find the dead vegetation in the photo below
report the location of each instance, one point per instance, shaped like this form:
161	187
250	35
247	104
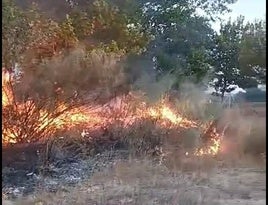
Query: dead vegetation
45	94
165	134
160	168
143	182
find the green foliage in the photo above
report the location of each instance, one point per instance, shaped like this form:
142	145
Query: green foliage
104	24
14	34
182	39
179	41
111	25
239	56
67	33
185	50
226	55
46	38
252	56
199	64
83	27
30	35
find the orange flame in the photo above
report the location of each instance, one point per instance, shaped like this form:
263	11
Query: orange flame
214	146
165	113
7	96
66	120
213	149
84	116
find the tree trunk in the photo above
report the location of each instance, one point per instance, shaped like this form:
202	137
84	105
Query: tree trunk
223	90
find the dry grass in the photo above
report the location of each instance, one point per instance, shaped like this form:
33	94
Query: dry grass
176	178
134	182
245	136
144	138
245	133
142	182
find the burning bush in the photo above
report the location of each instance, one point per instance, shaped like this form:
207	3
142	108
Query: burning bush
126	122
34	120
142	137
52	95
138	129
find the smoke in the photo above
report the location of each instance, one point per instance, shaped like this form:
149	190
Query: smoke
80	74
77	73
154	90
244	131
243	128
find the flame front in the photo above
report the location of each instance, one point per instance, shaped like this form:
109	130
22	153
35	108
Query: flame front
214	145
213	149
84	116
44	120
165	113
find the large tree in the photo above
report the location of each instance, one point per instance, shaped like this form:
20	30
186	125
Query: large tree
226	56
252	57
239	56
103	23
182	38
14	34
78	52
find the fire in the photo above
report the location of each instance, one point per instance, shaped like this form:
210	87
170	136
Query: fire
76	116
7	96
84	116
165	113
213	149
65	121
214	146
42	119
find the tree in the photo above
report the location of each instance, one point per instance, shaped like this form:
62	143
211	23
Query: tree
80	52
15	30
239	56
252	56
46	39
179	34
180	41
106	25
226	56
199	64
29	37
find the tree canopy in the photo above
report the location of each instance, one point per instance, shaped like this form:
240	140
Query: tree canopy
172	37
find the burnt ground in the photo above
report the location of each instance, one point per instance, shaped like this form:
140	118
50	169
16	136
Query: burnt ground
109	179
24	171
23	175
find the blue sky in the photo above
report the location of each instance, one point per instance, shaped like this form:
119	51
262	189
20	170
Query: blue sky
250	9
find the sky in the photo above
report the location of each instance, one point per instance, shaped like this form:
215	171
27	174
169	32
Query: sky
250	9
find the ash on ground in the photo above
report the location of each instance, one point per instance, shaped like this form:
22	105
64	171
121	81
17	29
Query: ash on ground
24	175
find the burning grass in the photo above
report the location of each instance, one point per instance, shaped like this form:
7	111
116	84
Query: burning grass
29	122
160	131
32	121
36	120
126	122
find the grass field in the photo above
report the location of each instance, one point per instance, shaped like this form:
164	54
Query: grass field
141	182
